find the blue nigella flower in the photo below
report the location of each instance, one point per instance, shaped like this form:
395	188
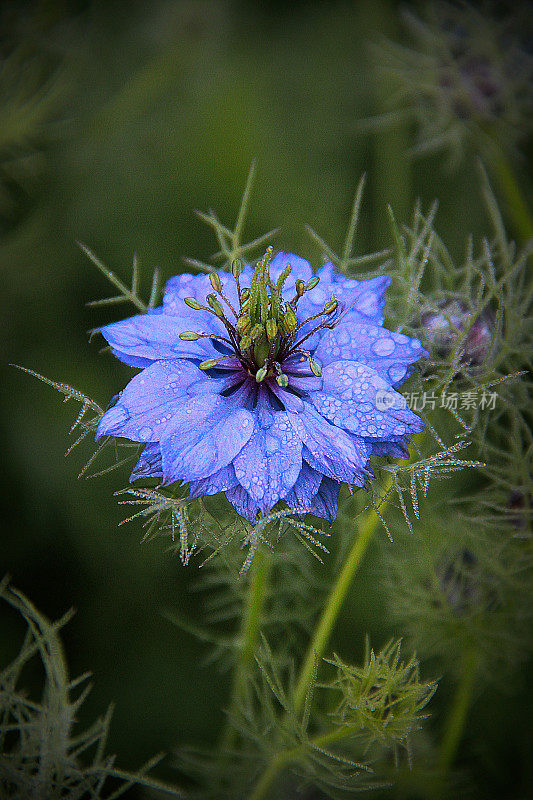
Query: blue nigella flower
267	384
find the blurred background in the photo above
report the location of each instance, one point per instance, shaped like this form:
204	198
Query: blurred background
117	120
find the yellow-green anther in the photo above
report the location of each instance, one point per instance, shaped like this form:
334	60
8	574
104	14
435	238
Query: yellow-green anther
300	287
330	306
189	336
215	305
312	283
236	268
257	331
261	374
316	369
243	324
282	381
289	321
192	303
211	362
272	329
245	295
245	343
215	281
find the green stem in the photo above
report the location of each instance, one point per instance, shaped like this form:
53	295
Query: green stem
455	723
285	757
517	206
334	603
249	634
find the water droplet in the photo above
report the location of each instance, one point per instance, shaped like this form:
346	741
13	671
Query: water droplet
383	347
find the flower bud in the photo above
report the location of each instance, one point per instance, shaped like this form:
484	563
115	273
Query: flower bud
451	318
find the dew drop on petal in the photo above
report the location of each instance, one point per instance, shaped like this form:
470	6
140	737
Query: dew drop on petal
383	347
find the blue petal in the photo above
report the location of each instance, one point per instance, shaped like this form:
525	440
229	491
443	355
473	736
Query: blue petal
389	354
396	449
150	400
325	501
305	489
351	396
221	481
204	435
364	299
152	337
300	270
149	464
243	503
270	462
327	448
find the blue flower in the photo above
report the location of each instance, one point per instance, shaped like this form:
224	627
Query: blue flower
269	384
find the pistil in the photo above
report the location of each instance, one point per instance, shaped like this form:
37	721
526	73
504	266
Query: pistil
264	333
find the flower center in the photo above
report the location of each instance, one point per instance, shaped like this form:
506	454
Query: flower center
263	332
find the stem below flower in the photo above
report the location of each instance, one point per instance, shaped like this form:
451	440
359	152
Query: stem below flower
248	637
334	603
285	757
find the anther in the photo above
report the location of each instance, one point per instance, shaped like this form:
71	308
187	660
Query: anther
312	283
236	268
289	321
271	329
282	381
300	287
215	305
189	336
257	331
243	324
245	343
215	281
192	303
210	362
316	369
331	306
261	374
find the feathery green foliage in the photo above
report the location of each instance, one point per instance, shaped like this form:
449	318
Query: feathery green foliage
43	753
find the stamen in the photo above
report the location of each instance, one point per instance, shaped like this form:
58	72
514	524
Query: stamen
212	362
192	303
244	324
